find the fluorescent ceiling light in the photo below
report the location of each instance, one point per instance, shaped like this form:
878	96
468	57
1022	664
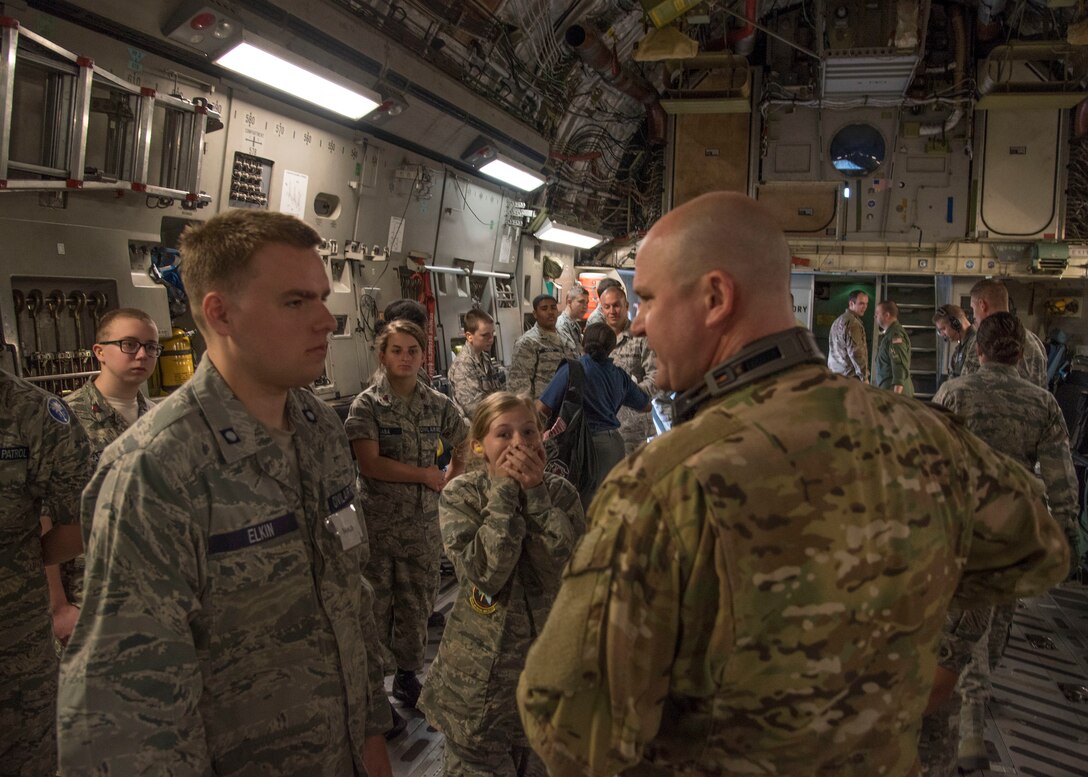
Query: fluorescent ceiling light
569	236
514	174
256	59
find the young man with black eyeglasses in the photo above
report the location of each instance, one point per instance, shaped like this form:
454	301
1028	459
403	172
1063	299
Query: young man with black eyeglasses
127	348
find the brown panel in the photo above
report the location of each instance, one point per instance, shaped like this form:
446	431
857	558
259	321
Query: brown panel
802	208
711	154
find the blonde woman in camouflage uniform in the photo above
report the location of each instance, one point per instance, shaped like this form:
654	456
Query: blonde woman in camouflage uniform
395	427
508	528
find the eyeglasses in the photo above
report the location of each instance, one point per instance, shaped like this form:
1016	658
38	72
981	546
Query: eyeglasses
132	347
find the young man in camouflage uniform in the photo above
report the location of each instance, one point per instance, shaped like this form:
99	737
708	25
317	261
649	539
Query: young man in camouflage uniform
45	460
226	624
127	347
634	356
539	352
892	352
953	326
847	346
568	323
474	374
1023	421
990	296
746	598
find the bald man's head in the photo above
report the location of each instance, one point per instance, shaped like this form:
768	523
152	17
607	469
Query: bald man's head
731	232
713	276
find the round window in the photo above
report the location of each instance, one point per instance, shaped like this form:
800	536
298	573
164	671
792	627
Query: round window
857	149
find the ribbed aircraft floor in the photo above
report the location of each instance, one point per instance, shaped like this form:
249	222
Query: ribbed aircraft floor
1038	718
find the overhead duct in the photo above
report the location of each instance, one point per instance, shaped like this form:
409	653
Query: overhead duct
591	50
1033	74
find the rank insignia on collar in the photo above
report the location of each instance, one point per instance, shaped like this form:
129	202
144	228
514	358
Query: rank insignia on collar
309	415
230	436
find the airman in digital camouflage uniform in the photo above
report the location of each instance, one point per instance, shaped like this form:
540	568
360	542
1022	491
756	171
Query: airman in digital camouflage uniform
953	326
395	427
473	374
226	621
539	352
634	356
567	323
603	285
45	460
1023	421
990	296
761	589
508	532
847	346
111	402
892	352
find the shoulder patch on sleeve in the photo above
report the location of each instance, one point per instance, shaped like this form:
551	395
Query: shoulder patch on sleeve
58	411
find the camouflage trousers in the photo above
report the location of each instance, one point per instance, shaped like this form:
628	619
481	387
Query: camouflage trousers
938	745
28	715
518	761
974	685
405	589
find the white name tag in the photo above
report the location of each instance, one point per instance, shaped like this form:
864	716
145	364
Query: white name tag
345	525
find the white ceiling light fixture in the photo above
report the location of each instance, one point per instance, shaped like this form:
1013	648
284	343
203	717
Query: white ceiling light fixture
281	69
554	232
510	172
489	161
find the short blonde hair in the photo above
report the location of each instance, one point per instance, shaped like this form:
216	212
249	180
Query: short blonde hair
216	254
133	313
494	405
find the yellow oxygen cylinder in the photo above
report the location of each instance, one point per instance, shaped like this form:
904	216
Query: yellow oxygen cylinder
176	360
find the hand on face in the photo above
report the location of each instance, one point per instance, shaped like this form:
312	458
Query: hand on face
523	464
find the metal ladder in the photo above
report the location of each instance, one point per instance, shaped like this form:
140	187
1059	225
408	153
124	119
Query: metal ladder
67	108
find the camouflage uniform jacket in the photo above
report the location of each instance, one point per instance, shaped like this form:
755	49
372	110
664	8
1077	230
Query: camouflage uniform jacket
537	355
45	459
569	328
508	548
102	423
964	359
761	589
634	356
1032	364
596	317
1023	421
848	348
472	377
893	360
400	516
224	629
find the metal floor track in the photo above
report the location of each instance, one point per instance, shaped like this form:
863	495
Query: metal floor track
1037	721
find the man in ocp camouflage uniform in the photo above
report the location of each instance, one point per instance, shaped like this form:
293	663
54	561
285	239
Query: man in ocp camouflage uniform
45	460
761	589
634	356
225	623
1023	421
892	352
847	346
539	352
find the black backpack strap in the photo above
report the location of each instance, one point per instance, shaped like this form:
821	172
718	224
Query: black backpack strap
576	381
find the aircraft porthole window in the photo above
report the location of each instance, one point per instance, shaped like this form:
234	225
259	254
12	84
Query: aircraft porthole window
857	149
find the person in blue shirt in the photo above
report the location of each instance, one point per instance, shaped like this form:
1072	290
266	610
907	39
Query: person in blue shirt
607	389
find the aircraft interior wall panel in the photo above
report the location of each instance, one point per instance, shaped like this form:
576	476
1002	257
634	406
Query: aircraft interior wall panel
1019	181
710	153
470	229
919	192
